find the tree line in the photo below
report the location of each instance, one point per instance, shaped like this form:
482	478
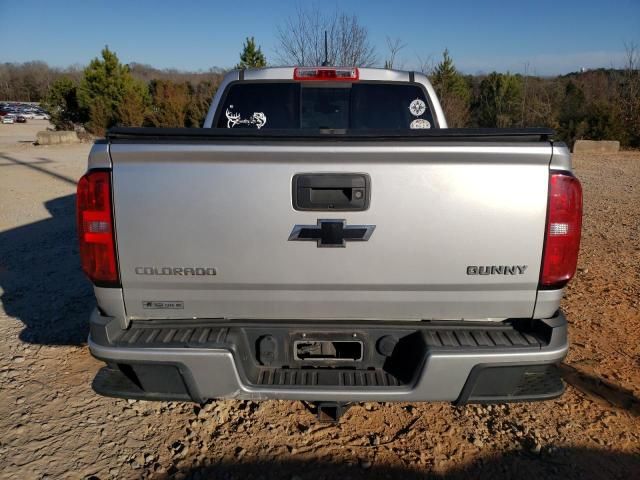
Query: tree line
602	104
596	104
108	93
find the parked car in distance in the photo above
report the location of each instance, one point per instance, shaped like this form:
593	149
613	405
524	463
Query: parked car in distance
27	110
21	119
10	118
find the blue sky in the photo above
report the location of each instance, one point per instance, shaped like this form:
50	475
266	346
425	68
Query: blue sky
550	36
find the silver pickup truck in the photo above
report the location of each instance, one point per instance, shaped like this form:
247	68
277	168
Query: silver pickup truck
325	237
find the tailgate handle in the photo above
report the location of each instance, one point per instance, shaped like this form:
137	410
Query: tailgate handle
331	191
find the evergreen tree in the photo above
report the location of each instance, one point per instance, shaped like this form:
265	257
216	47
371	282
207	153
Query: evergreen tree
573	114
200	99
133	109
605	121
170	103
251	56
108	92
447	81
61	102
500	100
453	91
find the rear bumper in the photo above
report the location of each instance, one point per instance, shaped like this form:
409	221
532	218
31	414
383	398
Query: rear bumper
462	362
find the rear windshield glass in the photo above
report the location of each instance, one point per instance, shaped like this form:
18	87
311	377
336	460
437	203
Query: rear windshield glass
358	106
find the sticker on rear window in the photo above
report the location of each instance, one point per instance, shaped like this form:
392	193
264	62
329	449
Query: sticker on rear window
417	107
258	119
420	123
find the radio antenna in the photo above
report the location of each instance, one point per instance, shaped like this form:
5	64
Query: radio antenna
326	51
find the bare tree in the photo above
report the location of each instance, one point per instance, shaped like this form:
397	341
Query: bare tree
394	46
630	95
426	64
301	39
30	81
525	78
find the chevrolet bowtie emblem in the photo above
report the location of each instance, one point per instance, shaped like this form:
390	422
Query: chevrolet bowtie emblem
332	233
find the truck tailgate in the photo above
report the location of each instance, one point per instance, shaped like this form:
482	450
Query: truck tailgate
443	213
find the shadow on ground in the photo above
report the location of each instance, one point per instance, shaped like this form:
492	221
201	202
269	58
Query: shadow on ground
43	285
36	166
560	463
601	390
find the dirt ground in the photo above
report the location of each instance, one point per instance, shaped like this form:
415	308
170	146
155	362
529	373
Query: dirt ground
54	426
21	132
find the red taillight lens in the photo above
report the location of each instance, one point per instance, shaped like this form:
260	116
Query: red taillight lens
320	74
564	224
95	229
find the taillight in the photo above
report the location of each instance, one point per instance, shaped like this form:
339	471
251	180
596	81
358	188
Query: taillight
323	74
562	236
95	229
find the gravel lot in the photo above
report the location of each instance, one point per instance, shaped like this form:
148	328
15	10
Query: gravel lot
54	426
21	132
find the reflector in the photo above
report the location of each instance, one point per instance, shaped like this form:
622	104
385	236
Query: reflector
558	229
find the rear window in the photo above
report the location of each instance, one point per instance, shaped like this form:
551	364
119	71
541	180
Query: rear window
357	106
